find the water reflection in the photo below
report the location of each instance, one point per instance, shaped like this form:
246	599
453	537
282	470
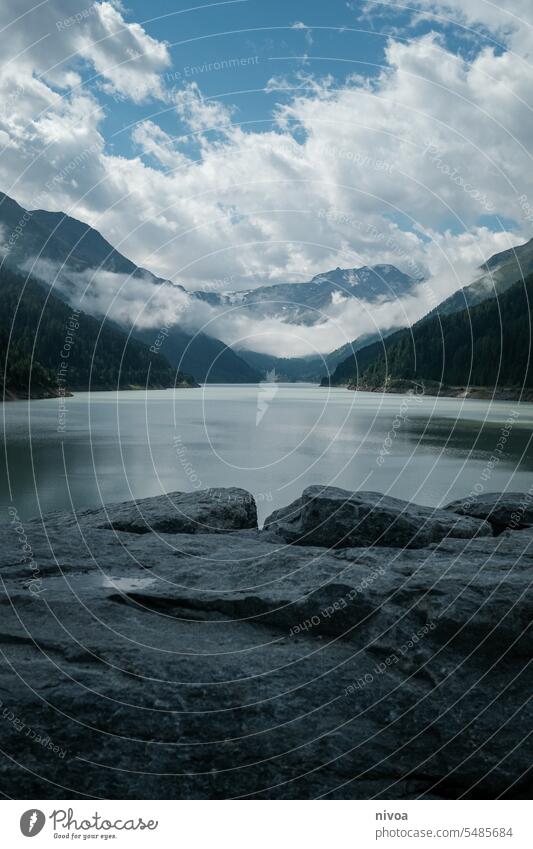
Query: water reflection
117	446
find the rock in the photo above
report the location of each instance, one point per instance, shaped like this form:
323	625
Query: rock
164	665
205	511
501	509
336	518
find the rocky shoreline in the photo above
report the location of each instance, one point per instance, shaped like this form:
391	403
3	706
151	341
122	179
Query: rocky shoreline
39	395
480	393
357	646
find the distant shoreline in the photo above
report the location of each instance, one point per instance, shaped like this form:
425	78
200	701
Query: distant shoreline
47	394
480	393
37	395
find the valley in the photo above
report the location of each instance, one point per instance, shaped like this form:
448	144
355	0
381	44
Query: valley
53	262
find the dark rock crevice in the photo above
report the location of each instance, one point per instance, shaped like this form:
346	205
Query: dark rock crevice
387	660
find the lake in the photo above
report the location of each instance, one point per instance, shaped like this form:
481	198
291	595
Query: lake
271	439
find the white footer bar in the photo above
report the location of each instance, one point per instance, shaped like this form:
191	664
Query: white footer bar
267	824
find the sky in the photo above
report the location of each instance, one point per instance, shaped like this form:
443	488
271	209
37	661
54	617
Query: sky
228	145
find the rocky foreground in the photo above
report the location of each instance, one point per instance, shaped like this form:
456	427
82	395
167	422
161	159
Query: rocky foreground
356	647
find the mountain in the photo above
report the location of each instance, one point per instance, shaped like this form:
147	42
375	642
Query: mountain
73	247
516	261
47	349
486	345
208	359
308	369
54	236
350	370
305	303
500	272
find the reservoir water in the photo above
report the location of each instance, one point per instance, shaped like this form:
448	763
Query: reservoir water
271	439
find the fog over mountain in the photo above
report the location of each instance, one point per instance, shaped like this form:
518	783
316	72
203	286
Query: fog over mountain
86	272
308	303
266	334
308	320
199	187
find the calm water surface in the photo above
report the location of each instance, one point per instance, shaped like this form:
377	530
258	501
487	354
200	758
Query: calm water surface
271	439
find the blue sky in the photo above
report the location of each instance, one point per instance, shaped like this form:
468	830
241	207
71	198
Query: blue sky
338	39
263	33
242	143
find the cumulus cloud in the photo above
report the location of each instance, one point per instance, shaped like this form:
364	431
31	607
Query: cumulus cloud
415	166
153	141
127	59
50	38
201	114
48	114
509	21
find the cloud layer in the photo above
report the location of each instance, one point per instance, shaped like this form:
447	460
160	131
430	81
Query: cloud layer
416	164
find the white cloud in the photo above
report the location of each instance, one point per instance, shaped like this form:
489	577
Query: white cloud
201	114
126	57
308	31
49	38
507	24
509	21
153	141
122	298
250	205
400	168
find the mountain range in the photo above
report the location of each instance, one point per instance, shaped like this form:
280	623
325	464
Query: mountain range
49	349
31	238
307	303
76	253
341	366
500	272
487	345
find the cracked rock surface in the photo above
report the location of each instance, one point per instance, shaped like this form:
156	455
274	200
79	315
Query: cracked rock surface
333	517
144	657
501	509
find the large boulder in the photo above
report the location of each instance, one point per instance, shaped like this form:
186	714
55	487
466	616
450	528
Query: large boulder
333	517
502	509
205	511
194	666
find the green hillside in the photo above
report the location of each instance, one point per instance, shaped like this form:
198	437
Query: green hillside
486	345
46	347
73	246
209	360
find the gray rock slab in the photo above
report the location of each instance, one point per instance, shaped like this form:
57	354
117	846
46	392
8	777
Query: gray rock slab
501	509
333	517
204	511
194	665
